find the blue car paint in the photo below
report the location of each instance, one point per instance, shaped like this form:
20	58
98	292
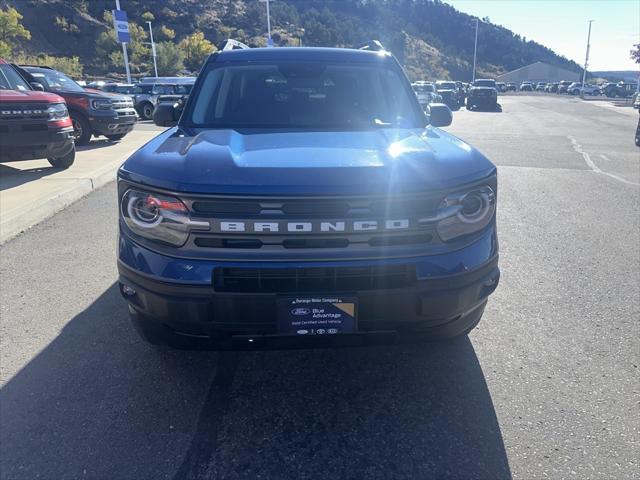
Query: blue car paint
187	160
200	272
306	163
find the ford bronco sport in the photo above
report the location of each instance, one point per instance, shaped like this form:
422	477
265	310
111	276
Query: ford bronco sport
33	124
93	112
304	198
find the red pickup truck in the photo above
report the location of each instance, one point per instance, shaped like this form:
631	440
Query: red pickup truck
33	124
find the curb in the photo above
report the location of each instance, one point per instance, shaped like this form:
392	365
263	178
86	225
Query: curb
20	221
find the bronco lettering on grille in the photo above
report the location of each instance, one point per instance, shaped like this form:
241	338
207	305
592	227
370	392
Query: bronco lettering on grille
333	226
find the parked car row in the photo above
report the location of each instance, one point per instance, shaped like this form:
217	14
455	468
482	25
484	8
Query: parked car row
611	90
149	91
46	114
482	93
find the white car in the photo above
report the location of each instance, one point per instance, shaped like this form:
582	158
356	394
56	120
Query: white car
576	88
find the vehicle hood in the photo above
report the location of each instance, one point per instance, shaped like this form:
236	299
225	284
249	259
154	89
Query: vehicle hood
29	96
94	94
306	163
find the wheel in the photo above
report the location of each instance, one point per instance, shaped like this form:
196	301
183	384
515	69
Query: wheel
63	162
638	135
115	138
469	107
146	111
81	129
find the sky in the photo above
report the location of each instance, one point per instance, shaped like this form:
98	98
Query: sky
562	26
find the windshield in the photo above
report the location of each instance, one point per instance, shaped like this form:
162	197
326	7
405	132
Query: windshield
484	83
127	89
305	96
10	80
54	80
446	86
143	89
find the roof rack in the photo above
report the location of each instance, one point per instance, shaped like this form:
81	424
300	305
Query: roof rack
231	44
36	66
373	45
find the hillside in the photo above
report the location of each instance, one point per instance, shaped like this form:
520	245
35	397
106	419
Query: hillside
431	39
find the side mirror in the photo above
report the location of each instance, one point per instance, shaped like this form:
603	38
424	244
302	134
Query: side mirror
166	115
439	115
37	86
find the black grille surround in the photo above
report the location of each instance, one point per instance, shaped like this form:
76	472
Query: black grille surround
312	209
312	279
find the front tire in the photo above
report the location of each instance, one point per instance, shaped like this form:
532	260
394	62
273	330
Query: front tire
81	129
63	162
146	111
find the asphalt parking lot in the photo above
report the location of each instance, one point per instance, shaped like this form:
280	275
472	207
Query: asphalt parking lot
546	387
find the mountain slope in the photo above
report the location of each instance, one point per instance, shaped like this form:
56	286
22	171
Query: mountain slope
431	38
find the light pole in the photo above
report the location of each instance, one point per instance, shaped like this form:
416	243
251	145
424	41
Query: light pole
269	39
475	52
153	49
586	60
124	51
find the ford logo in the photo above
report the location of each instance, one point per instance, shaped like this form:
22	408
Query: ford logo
300	311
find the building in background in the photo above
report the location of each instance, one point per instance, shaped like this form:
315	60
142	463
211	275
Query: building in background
539	72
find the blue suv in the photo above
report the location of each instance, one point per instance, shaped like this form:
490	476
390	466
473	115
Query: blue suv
302	198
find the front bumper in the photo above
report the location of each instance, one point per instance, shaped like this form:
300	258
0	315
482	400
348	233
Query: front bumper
16	143
481	100
113	124
449	293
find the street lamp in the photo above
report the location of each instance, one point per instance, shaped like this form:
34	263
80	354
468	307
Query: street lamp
124	52
586	60
153	49
475	52
269	39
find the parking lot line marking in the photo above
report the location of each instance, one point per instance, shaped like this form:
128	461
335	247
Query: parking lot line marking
578	148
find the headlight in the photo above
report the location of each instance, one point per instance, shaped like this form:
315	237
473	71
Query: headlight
158	217
101	104
57	111
465	213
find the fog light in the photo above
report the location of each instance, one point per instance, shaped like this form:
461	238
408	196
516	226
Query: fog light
128	291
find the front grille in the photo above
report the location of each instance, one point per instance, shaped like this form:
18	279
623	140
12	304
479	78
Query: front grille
343	210
321	279
349	207
10	111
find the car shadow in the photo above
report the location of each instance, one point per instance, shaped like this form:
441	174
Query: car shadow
96	143
11	177
98	403
497	109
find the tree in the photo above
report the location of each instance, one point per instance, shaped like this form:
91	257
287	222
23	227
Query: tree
635	53
108	47
10	30
169	58
196	49
164	33
69	65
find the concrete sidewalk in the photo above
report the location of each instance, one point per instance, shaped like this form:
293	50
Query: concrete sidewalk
31	191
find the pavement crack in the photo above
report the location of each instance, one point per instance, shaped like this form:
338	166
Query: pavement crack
594	168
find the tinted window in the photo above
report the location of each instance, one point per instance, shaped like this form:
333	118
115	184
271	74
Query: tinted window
163	89
485	83
124	89
10	80
446	86
54	80
139	89
310	95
